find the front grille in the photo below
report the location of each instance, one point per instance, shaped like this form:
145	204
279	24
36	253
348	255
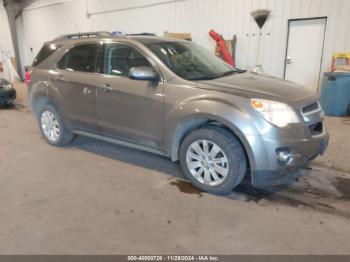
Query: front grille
316	129
309	108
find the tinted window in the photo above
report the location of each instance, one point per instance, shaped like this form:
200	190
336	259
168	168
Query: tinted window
120	58
80	58
44	53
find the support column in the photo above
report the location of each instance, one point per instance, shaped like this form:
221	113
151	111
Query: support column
11	9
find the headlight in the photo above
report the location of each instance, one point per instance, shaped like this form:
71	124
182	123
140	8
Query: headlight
8	86
276	113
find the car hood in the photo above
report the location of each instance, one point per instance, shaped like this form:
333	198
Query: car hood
254	85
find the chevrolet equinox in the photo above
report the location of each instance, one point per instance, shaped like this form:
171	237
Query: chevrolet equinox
174	98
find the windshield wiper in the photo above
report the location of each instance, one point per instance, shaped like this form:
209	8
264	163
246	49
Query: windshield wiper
202	78
211	77
227	73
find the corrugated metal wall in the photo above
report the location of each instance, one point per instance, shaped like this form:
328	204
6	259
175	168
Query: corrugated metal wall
5	34
228	17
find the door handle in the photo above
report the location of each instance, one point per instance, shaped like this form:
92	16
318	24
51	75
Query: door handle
107	88
289	60
86	91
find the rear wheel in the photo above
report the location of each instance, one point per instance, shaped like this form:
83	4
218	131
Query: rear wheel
213	160
53	127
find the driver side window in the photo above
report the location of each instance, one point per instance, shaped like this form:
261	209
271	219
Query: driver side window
120	58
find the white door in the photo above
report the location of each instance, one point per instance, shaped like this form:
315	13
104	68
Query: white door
304	51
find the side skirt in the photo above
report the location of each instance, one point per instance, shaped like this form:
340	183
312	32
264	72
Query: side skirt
120	142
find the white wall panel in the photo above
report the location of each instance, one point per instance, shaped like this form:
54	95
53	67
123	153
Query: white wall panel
5	34
47	19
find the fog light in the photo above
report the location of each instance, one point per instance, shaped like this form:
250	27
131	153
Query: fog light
283	155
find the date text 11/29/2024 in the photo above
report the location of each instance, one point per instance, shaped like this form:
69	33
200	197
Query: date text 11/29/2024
173	258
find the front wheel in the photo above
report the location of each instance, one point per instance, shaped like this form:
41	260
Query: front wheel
213	160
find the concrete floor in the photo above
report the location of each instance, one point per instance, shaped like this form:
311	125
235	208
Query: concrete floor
96	198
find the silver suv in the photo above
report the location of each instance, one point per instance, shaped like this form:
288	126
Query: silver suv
174	98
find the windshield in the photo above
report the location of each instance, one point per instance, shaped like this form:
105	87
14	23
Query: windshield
191	61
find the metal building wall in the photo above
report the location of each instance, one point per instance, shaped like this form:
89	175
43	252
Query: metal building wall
5	34
46	19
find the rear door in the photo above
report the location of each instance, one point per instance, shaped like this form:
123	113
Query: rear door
75	82
130	110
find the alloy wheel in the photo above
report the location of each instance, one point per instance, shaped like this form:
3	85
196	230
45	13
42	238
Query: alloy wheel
50	126
207	162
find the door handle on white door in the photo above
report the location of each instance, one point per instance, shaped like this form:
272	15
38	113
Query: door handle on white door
289	60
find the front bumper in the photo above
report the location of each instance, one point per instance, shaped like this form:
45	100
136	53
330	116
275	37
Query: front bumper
268	171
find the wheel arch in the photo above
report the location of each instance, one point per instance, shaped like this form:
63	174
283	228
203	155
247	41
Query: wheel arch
38	101
186	126
38	95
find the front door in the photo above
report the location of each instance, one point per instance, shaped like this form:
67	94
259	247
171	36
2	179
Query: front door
130	110
304	52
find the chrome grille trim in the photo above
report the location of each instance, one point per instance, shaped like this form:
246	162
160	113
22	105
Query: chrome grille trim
311	108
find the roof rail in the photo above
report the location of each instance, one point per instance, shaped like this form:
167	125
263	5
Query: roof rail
141	34
119	33
84	35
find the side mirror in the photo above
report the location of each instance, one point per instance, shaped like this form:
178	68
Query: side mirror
143	73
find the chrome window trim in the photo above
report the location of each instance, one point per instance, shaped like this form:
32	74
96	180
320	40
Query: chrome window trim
102	42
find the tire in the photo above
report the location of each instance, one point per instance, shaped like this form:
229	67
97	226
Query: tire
230	161
61	136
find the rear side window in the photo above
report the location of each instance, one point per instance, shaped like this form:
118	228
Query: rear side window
45	52
81	58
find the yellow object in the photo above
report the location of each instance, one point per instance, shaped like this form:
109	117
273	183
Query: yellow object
340	56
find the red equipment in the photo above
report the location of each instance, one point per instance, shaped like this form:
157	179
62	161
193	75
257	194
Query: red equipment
223	48
27	76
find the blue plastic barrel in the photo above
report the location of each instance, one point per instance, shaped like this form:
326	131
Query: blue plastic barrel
335	94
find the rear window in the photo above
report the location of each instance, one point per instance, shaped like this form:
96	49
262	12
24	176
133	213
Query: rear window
45	52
